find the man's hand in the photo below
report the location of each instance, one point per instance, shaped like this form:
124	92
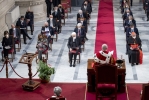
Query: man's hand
77	48
131	48
70	49
52	36
58	20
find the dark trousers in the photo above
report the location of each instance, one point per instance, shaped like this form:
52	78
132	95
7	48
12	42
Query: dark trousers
24	32
131	1
71	55
6	53
147	14
31	26
49	39
48	9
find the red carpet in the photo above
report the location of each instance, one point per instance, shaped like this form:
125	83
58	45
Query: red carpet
10	89
105	26
134	91
92	96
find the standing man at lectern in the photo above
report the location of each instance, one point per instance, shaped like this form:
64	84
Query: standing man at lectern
104	56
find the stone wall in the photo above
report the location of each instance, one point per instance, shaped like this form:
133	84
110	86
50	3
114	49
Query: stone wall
5	6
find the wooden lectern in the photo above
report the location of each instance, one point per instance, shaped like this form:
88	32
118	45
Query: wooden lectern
27	58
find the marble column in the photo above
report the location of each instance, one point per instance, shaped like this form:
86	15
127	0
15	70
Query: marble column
37	6
5	6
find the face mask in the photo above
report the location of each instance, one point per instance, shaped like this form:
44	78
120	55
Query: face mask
131	28
55	10
7	36
74	37
134	37
79	28
127	13
51	18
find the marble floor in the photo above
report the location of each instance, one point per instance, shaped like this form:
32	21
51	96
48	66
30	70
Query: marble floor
58	57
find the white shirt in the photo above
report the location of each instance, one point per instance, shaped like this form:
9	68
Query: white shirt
47	31
51	22
14	32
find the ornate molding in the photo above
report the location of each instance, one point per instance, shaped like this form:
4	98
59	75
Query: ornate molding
26	3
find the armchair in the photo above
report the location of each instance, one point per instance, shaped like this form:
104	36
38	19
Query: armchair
106	81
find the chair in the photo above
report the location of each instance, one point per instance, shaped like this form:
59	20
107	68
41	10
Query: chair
44	53
106	81
11	51
65	6
19	45
77	59
69	5
83	46
55	36
145	92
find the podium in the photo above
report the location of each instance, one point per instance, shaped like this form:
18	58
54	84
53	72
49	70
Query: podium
27	58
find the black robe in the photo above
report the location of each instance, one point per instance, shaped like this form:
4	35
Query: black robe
56	2
134	55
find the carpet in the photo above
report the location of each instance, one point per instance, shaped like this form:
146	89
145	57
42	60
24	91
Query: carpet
134	91
105	32
92	96
10	89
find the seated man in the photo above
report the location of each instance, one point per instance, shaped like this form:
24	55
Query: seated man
80	15
57	93
61	10
127	14
80	32
86	9
16	35
74	46
52	23
29	16
135	52
104	56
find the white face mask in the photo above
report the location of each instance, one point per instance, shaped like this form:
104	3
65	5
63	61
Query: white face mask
132	28
79	28
7	36
51	18
74	38
134	37
55	10
128	13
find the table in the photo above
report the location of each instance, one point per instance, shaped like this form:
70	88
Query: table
91	77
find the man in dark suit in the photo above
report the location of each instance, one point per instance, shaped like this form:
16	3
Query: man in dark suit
128	34
16	35
57	16
53	23
49	3
84	25
80	15
80	32
48	30
127	14
61	10
29	16
22	24
147	9
86	8
128	22
74	46
89	4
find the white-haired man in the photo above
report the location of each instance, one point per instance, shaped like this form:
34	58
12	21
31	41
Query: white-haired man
74	46
80	32
104	56
57	93
80	15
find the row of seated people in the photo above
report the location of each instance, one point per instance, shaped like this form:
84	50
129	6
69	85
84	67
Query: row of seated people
133	41
78	37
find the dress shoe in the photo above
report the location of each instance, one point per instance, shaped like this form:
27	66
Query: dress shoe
31	33
136	63
70	65
74	65
30	38
132	64
0	47
147	20
25	43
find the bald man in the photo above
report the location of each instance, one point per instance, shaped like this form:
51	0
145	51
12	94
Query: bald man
48	30
74	46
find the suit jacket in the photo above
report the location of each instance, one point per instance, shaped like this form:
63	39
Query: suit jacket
62	11
50	29
127	23
17	33
20	24
79	16
125	16
82	34
89	4
57	16
128	32
88	9
56	2
53	21
84	24
30	15
7	42
77	41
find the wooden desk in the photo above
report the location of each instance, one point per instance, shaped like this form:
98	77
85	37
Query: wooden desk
91	77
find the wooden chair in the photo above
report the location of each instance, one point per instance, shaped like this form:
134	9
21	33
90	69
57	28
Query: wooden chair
63	18
69	5
55	36
19	45
106	81
11	52
83	46
78	59
145	92
65	6
44	53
